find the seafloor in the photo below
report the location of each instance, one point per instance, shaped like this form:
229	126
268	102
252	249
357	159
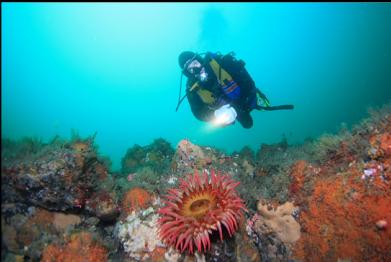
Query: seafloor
328	199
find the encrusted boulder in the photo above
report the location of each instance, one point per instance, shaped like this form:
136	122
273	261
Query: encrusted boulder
189	156
57	178
138	234
103	205
275	230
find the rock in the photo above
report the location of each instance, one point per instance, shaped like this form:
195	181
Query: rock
274	230
62	221
9	238
103	205
138	234
189	156
55	178
249	169
91	221
280	221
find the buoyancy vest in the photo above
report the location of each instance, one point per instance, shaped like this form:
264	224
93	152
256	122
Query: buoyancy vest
225	81
204	94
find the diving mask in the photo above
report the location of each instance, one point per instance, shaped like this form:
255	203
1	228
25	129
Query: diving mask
196	69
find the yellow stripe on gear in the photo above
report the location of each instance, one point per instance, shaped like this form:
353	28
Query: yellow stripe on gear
219	71
205	95
195	85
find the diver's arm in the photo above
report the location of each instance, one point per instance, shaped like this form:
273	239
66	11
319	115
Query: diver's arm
200	110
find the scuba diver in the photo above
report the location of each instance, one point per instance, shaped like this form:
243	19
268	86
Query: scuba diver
220	90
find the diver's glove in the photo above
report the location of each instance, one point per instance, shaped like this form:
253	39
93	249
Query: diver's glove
225	115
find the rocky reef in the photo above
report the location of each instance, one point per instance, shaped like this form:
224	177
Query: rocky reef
328	199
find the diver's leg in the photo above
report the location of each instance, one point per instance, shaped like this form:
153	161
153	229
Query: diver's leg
245	119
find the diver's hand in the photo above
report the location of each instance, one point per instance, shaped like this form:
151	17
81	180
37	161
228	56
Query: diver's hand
225	115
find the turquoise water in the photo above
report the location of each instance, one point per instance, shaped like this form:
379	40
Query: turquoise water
112	69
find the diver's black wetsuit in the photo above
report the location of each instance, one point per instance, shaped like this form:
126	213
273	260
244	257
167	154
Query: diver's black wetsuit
243	104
